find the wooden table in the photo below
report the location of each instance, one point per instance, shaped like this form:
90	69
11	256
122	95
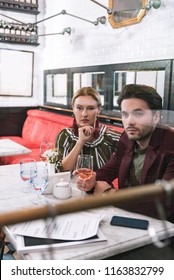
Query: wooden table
11	148
119	239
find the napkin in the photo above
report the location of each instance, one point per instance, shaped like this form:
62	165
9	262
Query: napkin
57	177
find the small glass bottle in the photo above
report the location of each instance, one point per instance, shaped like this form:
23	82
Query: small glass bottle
1	31
1	27
12	29
18	30
16	4
23	32
7	28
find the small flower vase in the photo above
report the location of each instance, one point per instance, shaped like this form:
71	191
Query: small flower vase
51	168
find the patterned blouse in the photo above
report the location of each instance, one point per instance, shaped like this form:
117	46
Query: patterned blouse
101	148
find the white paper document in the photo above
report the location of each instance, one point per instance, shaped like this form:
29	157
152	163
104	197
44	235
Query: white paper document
72	227
64	231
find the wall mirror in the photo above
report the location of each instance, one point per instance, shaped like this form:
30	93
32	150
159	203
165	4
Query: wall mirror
56	87
152	73
92	79
61	84
154	78
126	12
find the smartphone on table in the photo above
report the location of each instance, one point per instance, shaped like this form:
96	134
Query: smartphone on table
129	222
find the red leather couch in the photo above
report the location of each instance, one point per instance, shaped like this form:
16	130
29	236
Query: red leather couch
39	126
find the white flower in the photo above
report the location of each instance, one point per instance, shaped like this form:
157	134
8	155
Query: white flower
51	155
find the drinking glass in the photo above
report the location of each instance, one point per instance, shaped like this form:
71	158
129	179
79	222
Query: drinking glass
25	173
45	146
40	182
84	167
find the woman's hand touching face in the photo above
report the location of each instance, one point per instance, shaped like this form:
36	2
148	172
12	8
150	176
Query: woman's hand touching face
86	133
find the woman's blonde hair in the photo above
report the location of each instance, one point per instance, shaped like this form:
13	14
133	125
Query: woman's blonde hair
88	91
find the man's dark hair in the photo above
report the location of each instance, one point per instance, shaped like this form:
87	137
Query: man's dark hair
146	93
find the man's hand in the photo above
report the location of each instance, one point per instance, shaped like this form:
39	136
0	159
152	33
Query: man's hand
85	185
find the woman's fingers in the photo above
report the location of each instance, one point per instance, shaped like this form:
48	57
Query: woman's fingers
87	131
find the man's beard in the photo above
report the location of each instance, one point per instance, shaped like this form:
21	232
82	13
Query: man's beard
142	136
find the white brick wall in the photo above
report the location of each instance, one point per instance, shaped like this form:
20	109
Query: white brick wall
151	39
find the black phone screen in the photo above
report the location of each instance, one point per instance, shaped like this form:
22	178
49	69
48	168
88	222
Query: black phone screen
129	222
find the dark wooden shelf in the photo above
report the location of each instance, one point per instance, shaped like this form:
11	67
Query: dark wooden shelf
21	43
16	39
21	7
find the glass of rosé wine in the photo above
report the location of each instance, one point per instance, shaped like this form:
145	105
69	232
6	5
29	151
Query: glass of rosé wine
84	167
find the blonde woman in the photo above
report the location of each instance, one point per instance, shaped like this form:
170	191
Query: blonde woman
87	135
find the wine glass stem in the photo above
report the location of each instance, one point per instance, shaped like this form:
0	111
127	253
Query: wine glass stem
83	192
41	199
31	184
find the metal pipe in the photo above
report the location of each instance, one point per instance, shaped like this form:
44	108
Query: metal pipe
118	199
108	9
64	12
48	34
65	30
55	15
